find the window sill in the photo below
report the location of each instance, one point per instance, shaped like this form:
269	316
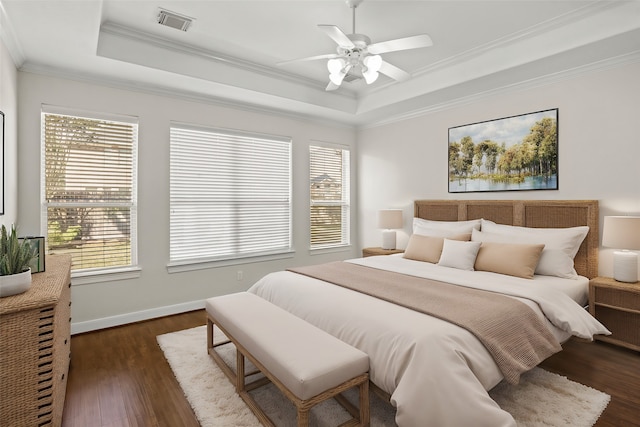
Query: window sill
192	265
330	250
104	275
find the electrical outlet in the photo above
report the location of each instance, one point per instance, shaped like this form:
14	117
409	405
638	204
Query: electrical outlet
239	275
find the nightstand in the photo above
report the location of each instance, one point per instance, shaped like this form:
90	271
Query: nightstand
617	306
379	251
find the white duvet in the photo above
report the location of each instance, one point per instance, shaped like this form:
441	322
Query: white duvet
437	373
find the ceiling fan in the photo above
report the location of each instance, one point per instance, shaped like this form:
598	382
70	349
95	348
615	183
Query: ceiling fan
356	55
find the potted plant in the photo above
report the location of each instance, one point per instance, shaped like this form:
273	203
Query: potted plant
15	257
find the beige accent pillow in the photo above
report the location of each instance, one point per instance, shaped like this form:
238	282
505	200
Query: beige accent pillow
509	258
428	248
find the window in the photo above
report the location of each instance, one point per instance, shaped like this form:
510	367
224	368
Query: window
330	209
230	195
89	189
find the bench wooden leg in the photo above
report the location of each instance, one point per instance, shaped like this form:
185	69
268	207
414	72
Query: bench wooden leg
364	404
303	417
239	371
209	334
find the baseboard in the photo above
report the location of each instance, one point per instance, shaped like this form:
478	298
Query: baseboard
123	319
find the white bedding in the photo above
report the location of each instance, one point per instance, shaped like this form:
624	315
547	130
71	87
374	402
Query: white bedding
436	373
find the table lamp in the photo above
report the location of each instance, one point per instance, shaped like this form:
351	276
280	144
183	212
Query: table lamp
388	219
623	232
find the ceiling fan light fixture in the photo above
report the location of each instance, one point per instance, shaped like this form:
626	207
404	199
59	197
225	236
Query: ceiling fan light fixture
370	76
336	65
356	51
336	78
373	62
371	66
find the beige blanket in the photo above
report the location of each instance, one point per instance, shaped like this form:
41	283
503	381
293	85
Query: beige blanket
515	336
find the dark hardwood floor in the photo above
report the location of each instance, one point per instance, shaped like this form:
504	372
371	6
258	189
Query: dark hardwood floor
119	377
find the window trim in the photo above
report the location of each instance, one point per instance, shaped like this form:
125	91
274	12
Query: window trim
192	264
339	247
102	274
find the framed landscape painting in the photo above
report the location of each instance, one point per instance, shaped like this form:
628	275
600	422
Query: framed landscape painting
507	154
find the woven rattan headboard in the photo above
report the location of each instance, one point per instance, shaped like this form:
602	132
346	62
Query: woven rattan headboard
526	213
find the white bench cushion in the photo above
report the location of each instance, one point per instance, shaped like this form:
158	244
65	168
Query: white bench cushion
306	359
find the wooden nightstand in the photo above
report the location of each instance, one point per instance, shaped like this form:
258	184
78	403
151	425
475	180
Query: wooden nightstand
379	251
617	306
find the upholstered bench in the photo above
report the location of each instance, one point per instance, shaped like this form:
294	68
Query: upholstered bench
307	364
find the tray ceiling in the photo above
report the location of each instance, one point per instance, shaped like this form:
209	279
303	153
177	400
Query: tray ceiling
230	52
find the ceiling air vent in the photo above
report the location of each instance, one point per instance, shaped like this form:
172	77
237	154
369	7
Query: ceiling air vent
174	20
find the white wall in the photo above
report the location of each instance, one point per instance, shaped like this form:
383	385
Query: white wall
157	292
9	106
599	151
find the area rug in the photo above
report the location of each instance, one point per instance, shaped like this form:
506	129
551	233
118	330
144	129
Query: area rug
541	399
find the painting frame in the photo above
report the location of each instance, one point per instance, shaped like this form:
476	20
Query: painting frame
513	153
38	263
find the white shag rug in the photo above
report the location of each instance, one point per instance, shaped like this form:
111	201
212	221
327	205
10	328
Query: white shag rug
542	399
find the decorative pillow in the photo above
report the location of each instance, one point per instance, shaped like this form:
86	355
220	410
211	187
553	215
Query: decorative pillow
424	248
553	262
428	248
457	227
509	258
460	255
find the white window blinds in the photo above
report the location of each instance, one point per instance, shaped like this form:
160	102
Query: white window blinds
89	189
329	189
230	194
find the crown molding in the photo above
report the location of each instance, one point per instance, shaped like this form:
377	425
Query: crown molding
340	120
8	36
209	55
350	121
557	77
518	36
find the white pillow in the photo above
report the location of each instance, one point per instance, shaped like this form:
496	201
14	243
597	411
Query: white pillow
553	261
441	232
459	254
454	227
567	240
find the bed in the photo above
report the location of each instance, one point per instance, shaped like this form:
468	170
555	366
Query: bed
432	370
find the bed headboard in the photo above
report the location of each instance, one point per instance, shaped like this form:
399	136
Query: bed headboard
526	213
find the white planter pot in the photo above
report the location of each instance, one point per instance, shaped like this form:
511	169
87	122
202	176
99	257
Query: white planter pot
15	283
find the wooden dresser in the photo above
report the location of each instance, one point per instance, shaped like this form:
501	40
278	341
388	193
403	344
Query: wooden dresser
35	342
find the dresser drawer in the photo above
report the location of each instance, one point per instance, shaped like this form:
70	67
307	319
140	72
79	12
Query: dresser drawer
620	298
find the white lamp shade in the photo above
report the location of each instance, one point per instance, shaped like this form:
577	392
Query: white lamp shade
621	232
390	218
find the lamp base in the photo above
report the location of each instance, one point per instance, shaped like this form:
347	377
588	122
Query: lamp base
388	239
625	266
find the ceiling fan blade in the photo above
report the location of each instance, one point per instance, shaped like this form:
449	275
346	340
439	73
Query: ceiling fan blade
394	72
331	86
412	42
337	35
310	58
